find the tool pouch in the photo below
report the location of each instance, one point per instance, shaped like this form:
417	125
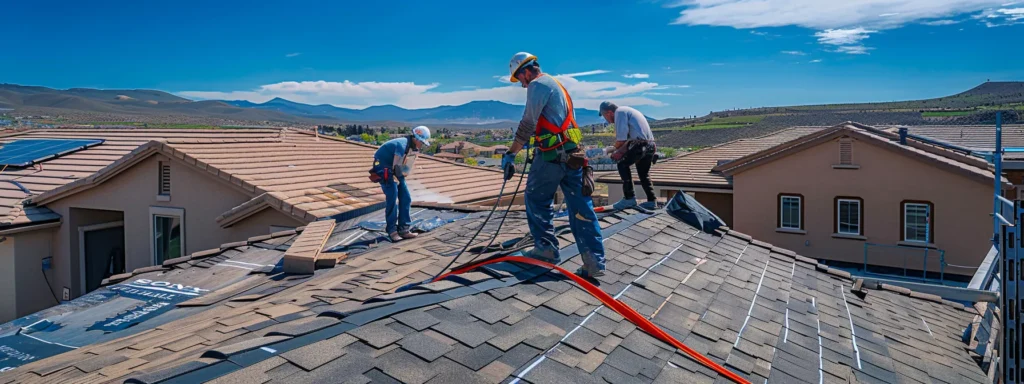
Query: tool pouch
379	174
588	181
577	160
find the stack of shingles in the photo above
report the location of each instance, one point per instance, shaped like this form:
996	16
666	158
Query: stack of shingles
302	257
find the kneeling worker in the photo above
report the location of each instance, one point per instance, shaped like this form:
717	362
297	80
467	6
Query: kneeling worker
393	161
634	144
549	120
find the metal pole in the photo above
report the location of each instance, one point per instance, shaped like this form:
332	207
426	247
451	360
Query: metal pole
997	158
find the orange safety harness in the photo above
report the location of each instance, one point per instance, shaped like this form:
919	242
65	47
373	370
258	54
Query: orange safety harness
549	136
621	308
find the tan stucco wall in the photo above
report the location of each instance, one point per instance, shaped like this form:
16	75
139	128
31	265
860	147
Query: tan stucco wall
962	225
133	192
30	248
8	297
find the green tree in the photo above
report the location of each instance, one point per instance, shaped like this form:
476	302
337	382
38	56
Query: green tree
668	151
381	138
471	161
366	138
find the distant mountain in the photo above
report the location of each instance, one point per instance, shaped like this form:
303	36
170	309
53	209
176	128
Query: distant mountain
472	113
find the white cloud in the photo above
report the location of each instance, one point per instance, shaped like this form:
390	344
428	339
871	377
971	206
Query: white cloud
586	94
636	75
936	23
758	33
795	53
846	40
661	94
671	86
816	61
293	54
848	15
1002	17
587	73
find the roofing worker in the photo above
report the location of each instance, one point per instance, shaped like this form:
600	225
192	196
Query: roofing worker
549	120
392	162
634	144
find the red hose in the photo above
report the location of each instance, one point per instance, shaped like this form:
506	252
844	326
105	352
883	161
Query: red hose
626	311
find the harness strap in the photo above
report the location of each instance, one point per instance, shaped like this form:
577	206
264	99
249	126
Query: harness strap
621	308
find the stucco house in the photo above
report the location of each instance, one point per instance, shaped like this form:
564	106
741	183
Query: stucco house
849	195
141	197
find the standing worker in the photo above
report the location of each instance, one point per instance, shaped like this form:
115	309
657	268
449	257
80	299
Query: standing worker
634	144
549	120
392	162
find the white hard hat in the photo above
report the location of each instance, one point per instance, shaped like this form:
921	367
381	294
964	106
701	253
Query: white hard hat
422	133
518	61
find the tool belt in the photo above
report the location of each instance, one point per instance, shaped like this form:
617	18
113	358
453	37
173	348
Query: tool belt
577	159
379	174
636	148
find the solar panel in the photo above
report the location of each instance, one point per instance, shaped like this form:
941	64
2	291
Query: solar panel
22	153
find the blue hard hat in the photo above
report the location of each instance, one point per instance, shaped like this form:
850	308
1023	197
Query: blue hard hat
422	133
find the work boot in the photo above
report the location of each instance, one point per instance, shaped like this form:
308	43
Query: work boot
395	237
585	273
623	204
407	234
650	205
545	256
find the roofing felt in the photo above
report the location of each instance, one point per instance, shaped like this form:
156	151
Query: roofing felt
763	312
694	169
301	174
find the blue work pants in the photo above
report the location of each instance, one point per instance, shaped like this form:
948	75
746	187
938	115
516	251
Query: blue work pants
544	179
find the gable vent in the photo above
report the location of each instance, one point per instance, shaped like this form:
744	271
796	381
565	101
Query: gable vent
165	178
845	151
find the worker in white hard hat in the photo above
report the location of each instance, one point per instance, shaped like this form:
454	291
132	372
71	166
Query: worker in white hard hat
393	162
559	162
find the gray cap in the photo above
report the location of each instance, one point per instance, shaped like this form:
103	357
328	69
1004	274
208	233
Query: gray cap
607	106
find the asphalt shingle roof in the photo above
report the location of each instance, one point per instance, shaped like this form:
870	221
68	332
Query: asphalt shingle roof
761	311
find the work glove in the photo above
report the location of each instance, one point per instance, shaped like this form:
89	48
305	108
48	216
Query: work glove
508	165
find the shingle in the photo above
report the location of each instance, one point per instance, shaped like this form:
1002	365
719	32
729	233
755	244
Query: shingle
584	340
470	334
424	346
317	354
376	334
474	358
418	320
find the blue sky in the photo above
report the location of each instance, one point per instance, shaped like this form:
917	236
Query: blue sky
667	58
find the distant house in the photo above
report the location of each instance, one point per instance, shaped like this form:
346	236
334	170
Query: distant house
450	156
850	194
499	149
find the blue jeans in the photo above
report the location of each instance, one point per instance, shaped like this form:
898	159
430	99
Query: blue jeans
396	191
545	177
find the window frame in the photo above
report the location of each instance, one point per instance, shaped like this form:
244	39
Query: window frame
778	211
154	212
860	215
930	233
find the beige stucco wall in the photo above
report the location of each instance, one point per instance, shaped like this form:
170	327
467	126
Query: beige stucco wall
8	299
962	225
30	248
133	192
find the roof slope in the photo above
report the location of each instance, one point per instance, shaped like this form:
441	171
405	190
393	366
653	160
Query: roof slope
301	174
694	169
762	311
974	137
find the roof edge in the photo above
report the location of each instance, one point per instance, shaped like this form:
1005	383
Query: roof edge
256	205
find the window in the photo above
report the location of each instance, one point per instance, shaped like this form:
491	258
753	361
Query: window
849	216
917	222
164	179
168	233
791	212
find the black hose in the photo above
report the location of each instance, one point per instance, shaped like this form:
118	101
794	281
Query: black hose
503	217
501	194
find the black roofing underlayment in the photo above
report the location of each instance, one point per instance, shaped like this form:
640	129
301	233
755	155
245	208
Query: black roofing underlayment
760	311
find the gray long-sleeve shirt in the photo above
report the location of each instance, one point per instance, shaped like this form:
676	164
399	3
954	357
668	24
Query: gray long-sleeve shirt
543	98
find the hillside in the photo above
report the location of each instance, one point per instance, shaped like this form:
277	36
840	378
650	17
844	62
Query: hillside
977	105
114	107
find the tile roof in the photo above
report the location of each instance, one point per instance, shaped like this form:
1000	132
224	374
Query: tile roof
953	161
694	169
448	155
296	172
761	311
974	137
